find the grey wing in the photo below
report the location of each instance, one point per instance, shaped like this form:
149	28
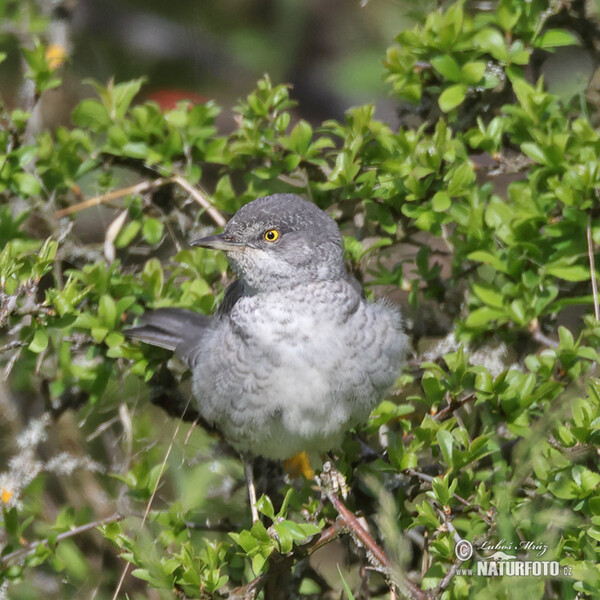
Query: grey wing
233	293
175	329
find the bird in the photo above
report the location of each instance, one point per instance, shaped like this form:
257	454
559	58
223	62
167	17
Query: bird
295	355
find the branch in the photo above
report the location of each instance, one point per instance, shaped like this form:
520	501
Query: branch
11	346
31	548
201	199
138	188
373	550
452	406
538	336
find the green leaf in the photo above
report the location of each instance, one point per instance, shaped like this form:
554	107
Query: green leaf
286	539
441	202
446	442
487	258
346	586
265	506
554	38
107	311
569	272
91	113
462	177
483	316
27	184
452	97
127	234
39	342
152	230
492	41
534	152
488	294
446	66
300	138
472	72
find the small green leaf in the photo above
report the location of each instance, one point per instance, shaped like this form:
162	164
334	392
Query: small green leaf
569	273
152	230
488	294
534	152
346	586
90	113
300	138
446	66
441	202
492	41
39	342
107	311
452	97
27	184
472	72
554	38
446	442
483	316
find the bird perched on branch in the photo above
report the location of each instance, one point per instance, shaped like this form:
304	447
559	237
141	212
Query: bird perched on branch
295	356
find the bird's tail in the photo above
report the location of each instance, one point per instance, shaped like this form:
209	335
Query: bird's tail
175	329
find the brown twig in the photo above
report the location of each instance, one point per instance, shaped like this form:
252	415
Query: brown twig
374	551
201	199
452	406
445	581
32	547
138	188
351	522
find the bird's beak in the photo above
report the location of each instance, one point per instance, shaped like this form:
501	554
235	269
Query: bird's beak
218	242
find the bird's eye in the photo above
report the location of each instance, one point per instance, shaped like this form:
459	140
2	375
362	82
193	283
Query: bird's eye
272	235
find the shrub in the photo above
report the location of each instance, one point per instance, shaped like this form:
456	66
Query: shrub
484	217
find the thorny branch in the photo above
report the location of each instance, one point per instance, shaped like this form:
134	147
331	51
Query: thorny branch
377	557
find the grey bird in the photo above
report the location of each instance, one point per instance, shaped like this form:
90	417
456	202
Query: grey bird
295	355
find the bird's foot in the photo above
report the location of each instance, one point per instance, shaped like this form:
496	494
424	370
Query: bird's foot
332	481
299	465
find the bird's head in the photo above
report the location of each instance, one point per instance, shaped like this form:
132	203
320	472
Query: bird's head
280	241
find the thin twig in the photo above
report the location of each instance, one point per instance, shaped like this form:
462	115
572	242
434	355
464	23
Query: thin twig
12	345
452	406
201	199
590	243
539	337
32	547
149	505
352	523
445	582
138	188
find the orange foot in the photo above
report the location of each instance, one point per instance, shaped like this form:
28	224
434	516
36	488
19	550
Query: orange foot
299	465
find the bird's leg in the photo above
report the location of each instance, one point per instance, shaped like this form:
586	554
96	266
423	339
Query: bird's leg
251	489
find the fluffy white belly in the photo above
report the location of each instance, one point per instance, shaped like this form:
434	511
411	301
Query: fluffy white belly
291	377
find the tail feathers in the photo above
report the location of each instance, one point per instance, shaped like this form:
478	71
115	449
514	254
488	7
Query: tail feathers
175	329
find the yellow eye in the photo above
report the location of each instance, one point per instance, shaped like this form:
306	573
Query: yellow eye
272	235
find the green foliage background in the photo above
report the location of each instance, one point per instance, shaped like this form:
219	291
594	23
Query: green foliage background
492	433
